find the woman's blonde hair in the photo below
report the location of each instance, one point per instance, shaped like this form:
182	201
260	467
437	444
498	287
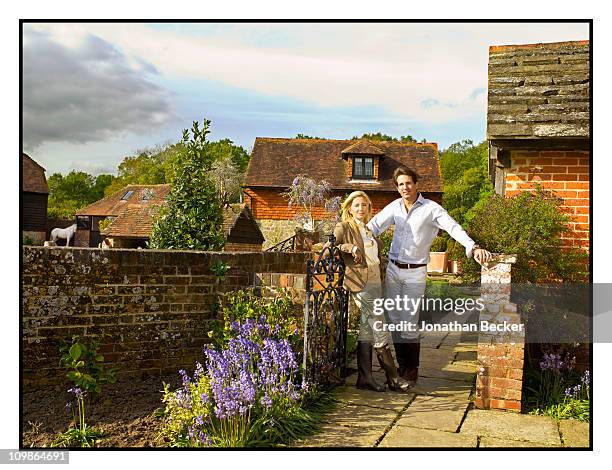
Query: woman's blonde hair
348	202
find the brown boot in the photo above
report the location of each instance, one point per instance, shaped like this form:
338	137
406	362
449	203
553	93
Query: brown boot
364	367
385	359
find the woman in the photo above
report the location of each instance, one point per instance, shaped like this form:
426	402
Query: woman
361	254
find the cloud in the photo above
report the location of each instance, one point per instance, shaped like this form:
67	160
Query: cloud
86	90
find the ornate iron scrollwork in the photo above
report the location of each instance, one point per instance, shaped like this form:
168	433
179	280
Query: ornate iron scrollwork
325	318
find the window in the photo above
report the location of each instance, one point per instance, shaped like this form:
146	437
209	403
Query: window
127	195
83	222
363	168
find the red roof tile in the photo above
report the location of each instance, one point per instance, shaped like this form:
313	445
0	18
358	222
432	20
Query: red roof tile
114	205
275	162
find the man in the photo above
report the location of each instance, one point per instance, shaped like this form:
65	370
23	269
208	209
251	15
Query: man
417	221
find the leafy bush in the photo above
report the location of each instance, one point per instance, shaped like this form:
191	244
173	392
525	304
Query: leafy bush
87	372
245	394
279	312
85	365
192	215
556	390
529	225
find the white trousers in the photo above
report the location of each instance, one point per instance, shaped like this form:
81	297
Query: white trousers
409	286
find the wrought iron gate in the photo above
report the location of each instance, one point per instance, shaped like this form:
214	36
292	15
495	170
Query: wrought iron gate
325	318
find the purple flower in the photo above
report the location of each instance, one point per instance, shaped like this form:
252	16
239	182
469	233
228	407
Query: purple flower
551	362
77	392
586	378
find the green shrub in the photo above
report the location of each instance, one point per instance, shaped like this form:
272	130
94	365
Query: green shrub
279	310
529	225
192	216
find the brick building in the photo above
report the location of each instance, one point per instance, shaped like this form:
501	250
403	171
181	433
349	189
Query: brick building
35	195
538	125
348	165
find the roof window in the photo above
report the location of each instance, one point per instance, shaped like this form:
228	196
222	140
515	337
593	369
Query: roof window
127	195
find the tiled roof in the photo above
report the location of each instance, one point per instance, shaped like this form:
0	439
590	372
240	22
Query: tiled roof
34	180
539	91
114	205
239	225
134	222
363	147
275	162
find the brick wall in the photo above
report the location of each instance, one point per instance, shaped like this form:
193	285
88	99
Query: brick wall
154	306
501	355
566	173
270	204
229	246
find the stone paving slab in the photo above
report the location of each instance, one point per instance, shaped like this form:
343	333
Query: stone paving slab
341	436
351	426
403	436
438	413
574	433
466	356
448	373
495	442
511	426
439	386
388	400
436	355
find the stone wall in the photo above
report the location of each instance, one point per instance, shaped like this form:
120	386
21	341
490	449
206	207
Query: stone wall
152	309
566	174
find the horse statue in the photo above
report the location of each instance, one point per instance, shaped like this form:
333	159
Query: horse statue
66	233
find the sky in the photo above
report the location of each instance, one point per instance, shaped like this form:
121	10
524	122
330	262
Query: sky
94	93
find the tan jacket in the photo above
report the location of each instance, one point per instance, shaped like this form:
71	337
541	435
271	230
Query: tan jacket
356	275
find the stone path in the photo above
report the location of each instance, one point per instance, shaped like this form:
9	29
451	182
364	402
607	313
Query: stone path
438	413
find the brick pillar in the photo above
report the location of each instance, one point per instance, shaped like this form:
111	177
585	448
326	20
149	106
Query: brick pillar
500	353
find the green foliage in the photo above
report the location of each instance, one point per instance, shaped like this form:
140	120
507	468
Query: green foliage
152	165
528	225
278	310
219	269
77	189
466	181
387	238
380	137
85	365
304	136
192	217
439	244
79	435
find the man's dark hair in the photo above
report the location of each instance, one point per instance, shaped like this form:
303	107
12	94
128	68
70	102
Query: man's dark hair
402	170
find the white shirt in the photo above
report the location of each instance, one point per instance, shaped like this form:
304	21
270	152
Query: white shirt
416	229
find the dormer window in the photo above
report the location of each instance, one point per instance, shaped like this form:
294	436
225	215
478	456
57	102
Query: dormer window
363	168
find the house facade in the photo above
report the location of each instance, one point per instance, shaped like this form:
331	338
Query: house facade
348	165
538	126
35	195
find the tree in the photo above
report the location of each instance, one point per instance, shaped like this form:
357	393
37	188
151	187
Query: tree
304	136
153	165
227	180
68	194
192	217
380	137
463	168
225	148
